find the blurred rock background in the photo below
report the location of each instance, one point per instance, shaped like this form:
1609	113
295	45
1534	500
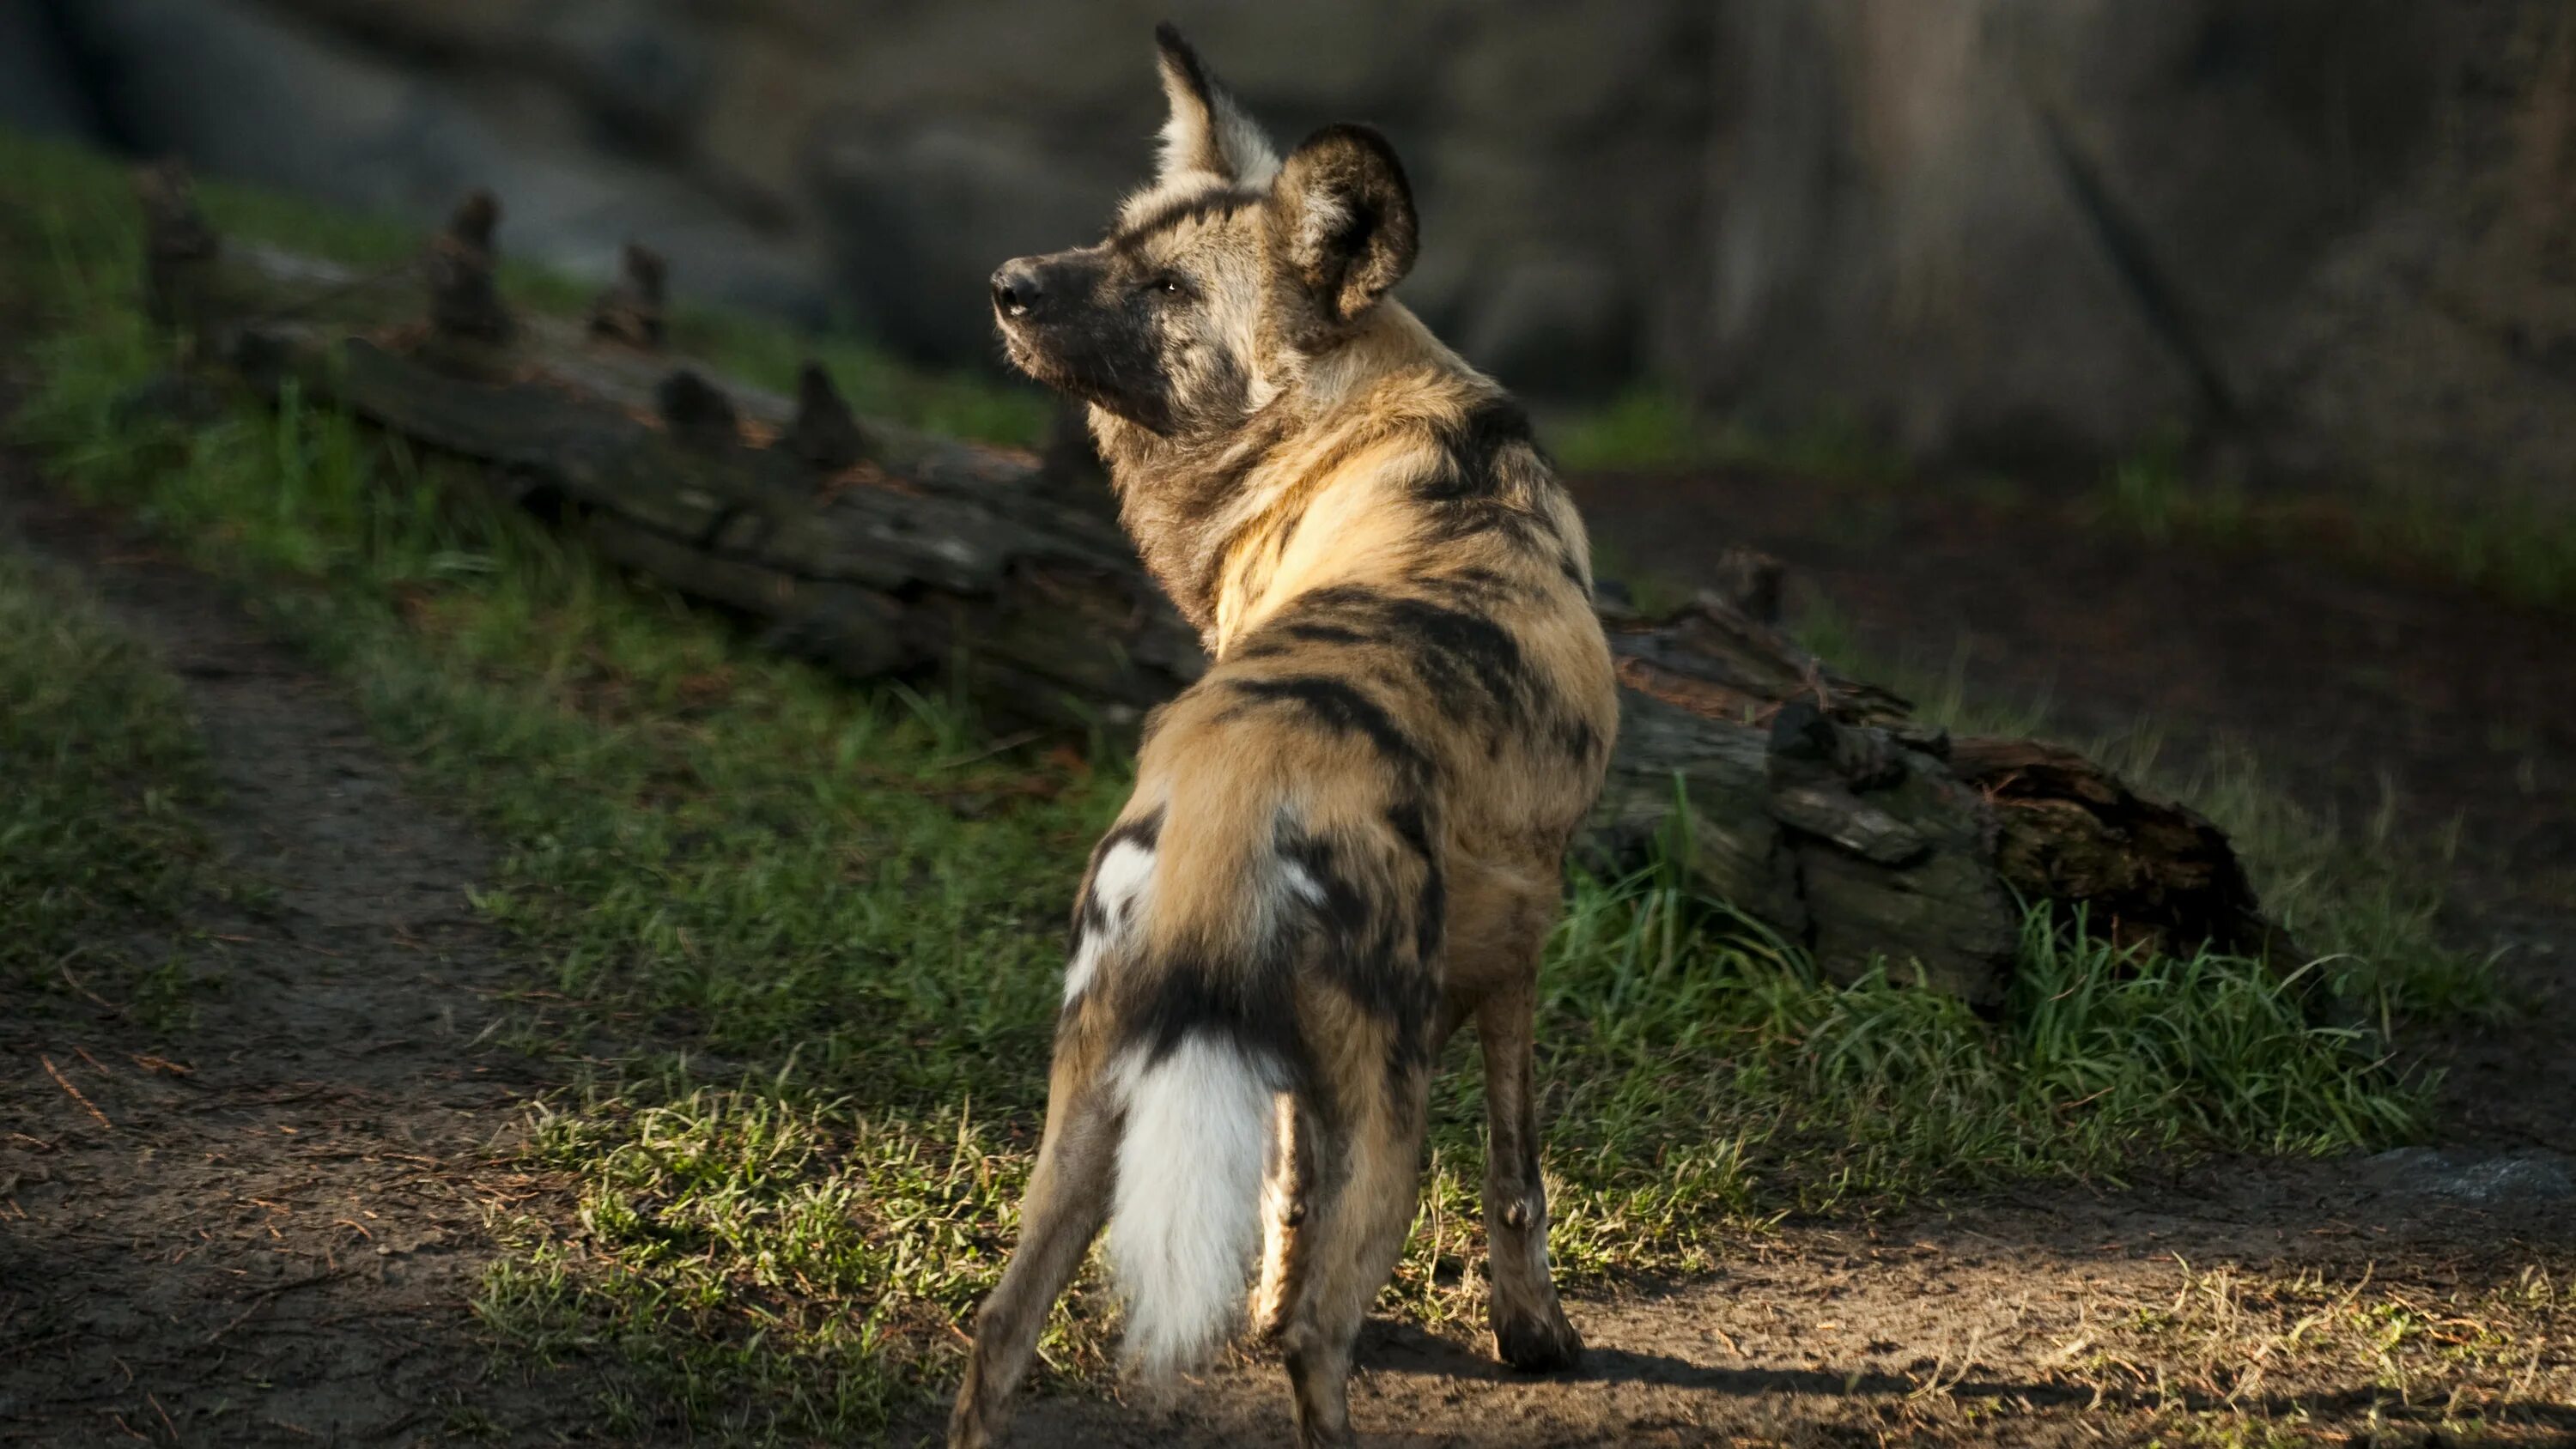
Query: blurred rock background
2323	240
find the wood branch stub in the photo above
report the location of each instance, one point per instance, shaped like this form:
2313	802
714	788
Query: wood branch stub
630	311
1748	581
464	297
177	239
698	413
826	435
1844	839
1723	665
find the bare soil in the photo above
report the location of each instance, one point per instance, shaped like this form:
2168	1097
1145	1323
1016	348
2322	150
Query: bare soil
1987	1323
263	1226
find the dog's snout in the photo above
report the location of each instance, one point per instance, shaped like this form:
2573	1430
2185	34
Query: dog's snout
1017	288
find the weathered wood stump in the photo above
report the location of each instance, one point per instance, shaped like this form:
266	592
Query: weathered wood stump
1812	803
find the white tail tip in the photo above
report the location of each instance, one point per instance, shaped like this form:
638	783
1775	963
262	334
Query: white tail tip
1185	1223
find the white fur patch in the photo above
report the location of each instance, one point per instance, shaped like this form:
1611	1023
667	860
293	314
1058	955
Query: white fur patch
1185	1223
1302	884
1119	888
1320	218
1242	148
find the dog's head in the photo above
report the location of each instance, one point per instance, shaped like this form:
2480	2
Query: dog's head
1222	280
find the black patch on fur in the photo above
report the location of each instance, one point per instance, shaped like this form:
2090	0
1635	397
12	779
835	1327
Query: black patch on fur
1344	708
1310	631
1145	830
1408	820
1459	660
1431	916
1246	1002
1362	942
1089	919
1180	549
1469	494
1451	645
1344	909
1132	236
1475	445
1491	426
1473	587
1578	739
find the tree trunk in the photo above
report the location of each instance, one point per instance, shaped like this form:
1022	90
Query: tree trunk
1814	804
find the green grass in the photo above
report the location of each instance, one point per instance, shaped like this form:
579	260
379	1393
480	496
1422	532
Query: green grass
809	935
1653	428
101	764
2515	548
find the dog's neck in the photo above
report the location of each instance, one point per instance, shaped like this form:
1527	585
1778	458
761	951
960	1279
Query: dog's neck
1188	502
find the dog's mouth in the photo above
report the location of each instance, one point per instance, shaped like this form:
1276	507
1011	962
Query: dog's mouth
1023	346
1016	345
1044	366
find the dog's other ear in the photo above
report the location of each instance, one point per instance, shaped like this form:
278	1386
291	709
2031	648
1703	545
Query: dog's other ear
1207	132
1346	219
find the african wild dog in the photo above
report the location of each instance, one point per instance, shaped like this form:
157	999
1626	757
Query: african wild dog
1346	839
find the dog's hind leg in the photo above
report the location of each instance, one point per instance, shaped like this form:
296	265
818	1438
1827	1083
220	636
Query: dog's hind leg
1530	1328
1369	1167
1286	1200
1067	1200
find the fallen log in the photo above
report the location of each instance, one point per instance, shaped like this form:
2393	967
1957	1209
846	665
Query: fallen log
1814	804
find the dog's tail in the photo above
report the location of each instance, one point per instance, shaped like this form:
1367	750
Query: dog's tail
1166	945
1185	1219
1217	932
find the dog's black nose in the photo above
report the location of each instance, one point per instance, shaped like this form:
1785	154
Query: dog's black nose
1016	292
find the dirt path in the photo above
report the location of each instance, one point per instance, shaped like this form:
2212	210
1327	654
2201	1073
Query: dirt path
262	1226
2058	1318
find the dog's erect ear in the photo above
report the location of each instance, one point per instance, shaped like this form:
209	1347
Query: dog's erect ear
1207	132
1346	219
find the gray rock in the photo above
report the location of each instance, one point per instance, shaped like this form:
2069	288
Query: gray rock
41	90
1987	225
243	94
2512	1180
638	66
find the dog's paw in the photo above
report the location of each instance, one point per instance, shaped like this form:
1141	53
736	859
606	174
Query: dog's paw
1537	1344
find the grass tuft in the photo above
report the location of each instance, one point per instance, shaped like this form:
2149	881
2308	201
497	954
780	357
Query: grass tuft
102	765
